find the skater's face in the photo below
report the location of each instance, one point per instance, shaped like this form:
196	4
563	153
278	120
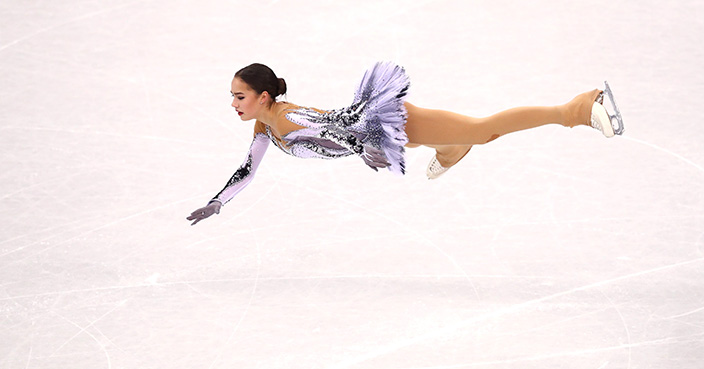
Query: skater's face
246	101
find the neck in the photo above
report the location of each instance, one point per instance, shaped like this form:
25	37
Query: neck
268	116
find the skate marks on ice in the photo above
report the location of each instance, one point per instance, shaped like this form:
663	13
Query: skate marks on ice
65	23
226	343
84	330
447	332
665	151
405	229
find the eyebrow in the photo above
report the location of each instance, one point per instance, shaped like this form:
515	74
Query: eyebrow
237	93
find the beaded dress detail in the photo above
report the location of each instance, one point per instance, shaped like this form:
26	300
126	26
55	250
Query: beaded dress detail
376	118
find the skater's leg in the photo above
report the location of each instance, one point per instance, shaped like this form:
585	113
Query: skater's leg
437	127
449	155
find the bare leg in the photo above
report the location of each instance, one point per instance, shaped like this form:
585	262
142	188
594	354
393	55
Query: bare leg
439	128
449	155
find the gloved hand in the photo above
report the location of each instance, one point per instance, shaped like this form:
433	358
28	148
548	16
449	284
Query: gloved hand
374	158
204	212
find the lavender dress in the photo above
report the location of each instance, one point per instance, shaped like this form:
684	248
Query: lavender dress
375	122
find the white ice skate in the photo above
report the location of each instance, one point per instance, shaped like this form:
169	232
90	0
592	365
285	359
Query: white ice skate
601	118
435	170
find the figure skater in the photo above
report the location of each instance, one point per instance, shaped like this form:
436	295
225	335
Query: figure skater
379	124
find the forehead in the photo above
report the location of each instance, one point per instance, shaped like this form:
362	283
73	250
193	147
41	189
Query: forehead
239	85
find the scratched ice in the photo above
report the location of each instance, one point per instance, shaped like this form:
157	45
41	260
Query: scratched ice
552	248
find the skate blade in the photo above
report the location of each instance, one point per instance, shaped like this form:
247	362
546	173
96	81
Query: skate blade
616	116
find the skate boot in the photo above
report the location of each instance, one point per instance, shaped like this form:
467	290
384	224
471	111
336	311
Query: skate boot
601	119
435	170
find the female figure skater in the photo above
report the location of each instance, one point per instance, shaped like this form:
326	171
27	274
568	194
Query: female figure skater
379	124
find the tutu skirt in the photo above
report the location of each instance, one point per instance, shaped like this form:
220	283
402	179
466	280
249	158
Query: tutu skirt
377	118
382	93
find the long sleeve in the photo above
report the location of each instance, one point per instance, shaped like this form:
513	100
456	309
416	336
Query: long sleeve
245	173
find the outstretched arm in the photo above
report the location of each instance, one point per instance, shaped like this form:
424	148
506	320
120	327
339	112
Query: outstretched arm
242	177
245	173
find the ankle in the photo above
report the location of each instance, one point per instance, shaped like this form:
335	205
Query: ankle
578	110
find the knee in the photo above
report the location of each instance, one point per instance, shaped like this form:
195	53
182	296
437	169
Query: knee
493	137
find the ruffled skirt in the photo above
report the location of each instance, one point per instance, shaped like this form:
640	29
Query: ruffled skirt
382	93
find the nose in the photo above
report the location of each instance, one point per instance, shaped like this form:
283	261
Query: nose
233	103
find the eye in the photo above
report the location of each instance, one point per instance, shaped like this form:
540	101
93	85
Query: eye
240	97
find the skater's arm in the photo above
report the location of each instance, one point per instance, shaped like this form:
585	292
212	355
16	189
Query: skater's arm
245	173
330	126
372	156
242	177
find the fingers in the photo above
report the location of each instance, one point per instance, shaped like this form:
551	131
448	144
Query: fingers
374	157
377	164
377	161
197	218
198	211
373	150
200	214
378	156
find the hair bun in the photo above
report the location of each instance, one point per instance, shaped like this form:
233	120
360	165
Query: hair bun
261	78
282	86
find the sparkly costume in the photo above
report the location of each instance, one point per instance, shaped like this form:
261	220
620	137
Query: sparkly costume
372	127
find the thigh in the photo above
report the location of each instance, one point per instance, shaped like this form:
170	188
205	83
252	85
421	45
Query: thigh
438	127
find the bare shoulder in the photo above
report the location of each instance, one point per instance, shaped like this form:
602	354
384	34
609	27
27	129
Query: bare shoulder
291	107
259	127
283	124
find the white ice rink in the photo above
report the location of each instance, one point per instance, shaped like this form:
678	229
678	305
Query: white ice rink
551	248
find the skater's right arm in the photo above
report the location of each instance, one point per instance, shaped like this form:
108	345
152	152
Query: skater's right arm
240	179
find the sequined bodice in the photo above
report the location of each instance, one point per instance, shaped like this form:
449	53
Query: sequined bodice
324	134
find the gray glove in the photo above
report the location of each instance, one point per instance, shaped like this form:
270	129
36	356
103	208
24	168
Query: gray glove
374	158
212	208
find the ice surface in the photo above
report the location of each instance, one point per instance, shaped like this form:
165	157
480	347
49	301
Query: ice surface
552	248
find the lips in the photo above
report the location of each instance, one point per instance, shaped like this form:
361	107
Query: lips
240	113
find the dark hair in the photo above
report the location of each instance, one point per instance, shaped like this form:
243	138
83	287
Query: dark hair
261	78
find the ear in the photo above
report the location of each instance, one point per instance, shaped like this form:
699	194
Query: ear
263	97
